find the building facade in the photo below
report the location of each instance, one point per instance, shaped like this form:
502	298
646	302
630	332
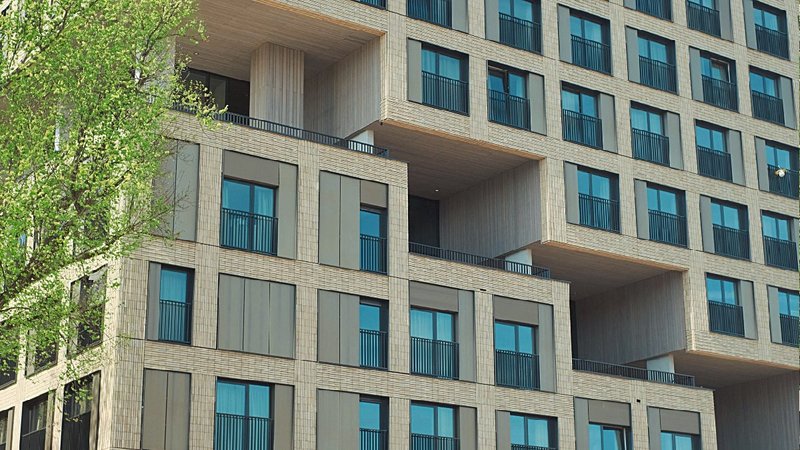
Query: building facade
459	225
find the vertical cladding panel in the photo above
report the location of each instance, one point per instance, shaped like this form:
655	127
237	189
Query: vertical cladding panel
467	428
284	417
460	15
632	48
537	101
564	35
349	332
492	13
749	309
329	421
349	432
609	121
153	298
467	365
761	164
164	188
547	350
231	313
179	394
328	326
706	224
571	192
256	317
329	213
503	427
725	19
788	97
749	24
737	158
281	320
654	427
349	240
774	315
581	423
154	410
672	128
287	211
696	74
642	210
414	71
186	189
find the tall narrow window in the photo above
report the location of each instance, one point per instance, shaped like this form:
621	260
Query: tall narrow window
770	24
789	316
780	249
243	416
4	430
713	159
76	428
598	199
719	82
373	423
444	79
248	217
374	337
725	313
579	117
765	95
648	140
373	239
520	24
88	293
434	350
667	214
590	47
703	15
508	97
657	63
433	427
34	424
731	235
516	361
175	305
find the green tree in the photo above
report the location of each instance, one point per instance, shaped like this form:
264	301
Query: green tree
85	92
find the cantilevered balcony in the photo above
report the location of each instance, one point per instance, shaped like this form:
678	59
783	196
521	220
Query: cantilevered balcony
658	74
720	93
656	8
774	42
520	33
483	261
636	373
726	318
780	253
702	18
591	54
767	107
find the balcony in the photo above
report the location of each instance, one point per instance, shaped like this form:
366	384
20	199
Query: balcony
702	18
787	185
581	129
428	442
235	432
726	318
767	107
658	74
656	8
516	370
509	110
720	93
376	3
439	12
373	254
248	231
635	373
445	93
790	330
34	440
434	358
292	132
714	164
600	213
590	54
466	258
175	324
731	242
374	439
651	147
520	33
780	253
774	42
374	349
668	228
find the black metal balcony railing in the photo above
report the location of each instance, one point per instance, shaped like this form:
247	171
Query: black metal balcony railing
373	254
8	375
374	348
591	54
439	12
435	358
656	8
235	432
509	110
788	185
374	439
780	253
790	329
726	318
650	146
581	128
445	93
767	107
33	441
731	242
774	42
175	321
720	93
703	18
520	33
637	373
248	231
668	228
515	369
597	212
714	164
292	132
376	3
658	74
530	447
428	442
466	258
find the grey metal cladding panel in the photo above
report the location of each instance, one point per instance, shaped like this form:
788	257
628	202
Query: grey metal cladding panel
520	311
186	179
460	15
414	70
467	364
164	188
737	161
349	331
328	326
610	413
749	24
256	317
179	393
374	194
503	426
153	300
467	428
632	48
706	225
564	35
748	309
642	210
695	74
725	24
94	418
328	420
281	320
492	13
537	101
547	349
432	296
284	418
787	94
774	315
287	211
231	312
250	168
761	164
571	192
349	431
654	427
673	131
329	211
349	237
581	423
680	421
609	122
154	410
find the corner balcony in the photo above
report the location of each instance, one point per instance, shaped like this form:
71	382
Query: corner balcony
767	107
774	42
703	19
475	260
520	33
636	373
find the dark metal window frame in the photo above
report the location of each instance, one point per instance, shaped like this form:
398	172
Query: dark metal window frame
625	434
581	92
737	294
552	429
605	31
434	324
189	302
680	198
649	110
744	224
436	407
463	60
517	325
